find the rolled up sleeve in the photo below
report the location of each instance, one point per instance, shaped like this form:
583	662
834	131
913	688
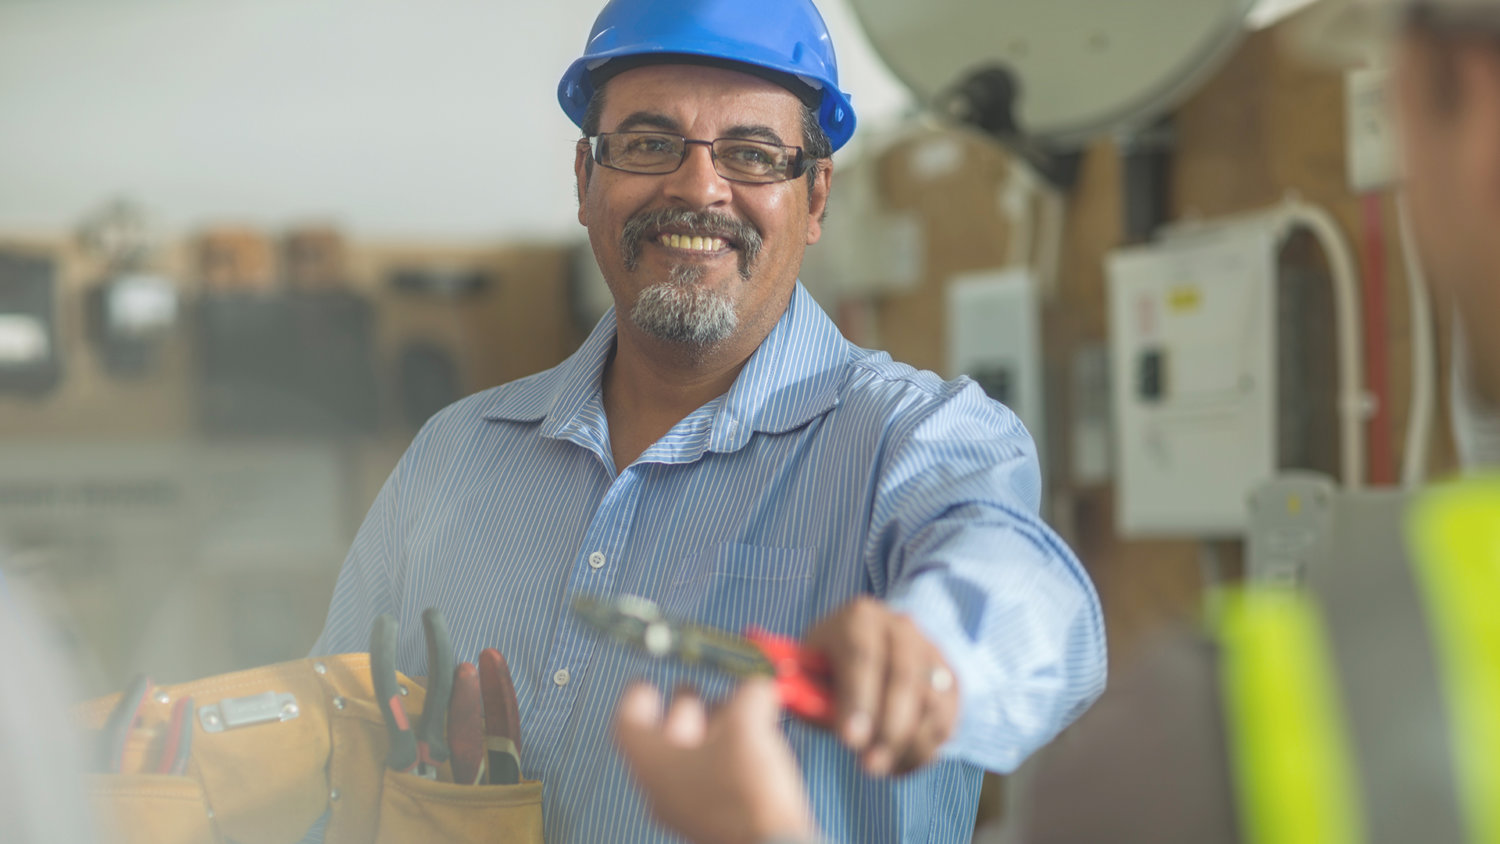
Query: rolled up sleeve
968	558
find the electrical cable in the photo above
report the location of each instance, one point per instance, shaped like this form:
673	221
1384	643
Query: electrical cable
1423	356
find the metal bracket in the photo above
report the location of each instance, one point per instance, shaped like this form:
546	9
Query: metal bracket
233	713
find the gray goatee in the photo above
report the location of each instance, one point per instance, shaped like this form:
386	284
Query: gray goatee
678	310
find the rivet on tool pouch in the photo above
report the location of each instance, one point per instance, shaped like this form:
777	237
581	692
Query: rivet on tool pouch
233	713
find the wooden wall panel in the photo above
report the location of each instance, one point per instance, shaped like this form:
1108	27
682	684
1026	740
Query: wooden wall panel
1266	125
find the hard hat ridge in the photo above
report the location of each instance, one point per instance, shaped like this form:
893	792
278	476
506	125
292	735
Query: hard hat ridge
784	41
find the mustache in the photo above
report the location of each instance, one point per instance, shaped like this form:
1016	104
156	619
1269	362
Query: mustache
744	236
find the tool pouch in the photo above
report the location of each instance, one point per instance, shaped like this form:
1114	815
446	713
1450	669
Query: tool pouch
417	809
274	749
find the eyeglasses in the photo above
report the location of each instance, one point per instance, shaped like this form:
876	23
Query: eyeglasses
735	159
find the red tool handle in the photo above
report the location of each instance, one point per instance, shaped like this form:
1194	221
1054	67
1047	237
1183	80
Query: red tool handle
804	676
466	726
179	739
502	718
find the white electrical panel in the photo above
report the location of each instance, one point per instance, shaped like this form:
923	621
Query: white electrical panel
1192	341
994	337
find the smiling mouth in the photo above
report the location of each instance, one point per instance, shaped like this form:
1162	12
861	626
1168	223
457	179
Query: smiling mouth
692	243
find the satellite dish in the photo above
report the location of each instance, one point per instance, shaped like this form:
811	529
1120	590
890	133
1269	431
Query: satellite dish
1054	73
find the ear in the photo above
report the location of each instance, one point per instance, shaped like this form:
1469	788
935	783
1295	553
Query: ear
581	175
818	201
1479	122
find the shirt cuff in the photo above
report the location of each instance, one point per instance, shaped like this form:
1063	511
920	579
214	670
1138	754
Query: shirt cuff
926	601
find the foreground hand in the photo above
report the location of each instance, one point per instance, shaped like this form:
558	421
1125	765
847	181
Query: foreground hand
721	779
897	696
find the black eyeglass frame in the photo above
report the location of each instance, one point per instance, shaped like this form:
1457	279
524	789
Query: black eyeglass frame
800	162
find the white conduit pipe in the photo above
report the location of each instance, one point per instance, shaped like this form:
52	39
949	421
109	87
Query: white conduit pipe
1423	357
1016	197
1053	213
1353	404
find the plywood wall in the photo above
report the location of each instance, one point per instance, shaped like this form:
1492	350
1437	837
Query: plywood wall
1267	125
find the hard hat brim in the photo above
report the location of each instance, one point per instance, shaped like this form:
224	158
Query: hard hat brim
835	114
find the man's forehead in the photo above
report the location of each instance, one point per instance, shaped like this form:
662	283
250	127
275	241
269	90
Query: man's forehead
685	93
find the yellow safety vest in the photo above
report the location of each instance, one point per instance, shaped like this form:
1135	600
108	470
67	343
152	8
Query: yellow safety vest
1455	541
1294	763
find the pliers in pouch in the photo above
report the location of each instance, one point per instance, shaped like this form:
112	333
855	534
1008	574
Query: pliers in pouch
424	749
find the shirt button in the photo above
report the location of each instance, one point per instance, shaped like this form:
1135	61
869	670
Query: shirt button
561	677
596	560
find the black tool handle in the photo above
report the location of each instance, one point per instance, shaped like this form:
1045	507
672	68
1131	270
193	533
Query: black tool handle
403	752
433	729
121	721
503	761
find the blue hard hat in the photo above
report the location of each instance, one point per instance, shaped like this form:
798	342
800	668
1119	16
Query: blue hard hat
786	38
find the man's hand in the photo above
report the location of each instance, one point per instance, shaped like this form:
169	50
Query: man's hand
726	779
897	696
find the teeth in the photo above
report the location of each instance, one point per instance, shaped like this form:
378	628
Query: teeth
695	244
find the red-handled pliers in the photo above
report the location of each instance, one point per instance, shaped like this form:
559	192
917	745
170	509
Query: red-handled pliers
802	675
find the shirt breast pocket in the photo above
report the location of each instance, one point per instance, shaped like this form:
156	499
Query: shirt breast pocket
735	586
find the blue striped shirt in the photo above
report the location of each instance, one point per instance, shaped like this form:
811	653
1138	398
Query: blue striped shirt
825	472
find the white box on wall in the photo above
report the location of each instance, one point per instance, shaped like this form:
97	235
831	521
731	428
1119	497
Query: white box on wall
994	337
1191	332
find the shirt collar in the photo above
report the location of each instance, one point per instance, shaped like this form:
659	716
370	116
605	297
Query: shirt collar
793	378
558	396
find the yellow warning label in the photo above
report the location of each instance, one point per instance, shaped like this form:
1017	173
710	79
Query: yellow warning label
1184	298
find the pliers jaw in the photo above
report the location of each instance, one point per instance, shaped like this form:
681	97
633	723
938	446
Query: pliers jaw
631	620
804	677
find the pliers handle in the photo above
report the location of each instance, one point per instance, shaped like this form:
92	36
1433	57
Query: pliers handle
120	723
803	676
432	730
403	752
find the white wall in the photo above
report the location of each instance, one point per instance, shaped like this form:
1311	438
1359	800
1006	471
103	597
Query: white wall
436	118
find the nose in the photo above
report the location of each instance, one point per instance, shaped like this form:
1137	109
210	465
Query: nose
696	183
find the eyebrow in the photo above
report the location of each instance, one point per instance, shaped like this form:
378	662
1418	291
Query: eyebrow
657	120
653	119
755	132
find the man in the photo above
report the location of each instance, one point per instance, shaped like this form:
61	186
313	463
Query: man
1245	738
716	447
1435	125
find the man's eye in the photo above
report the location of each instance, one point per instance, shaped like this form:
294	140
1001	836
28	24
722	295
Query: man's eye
750	155
649	146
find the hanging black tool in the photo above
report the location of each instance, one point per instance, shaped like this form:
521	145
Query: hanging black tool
403	753
121	722
432	730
